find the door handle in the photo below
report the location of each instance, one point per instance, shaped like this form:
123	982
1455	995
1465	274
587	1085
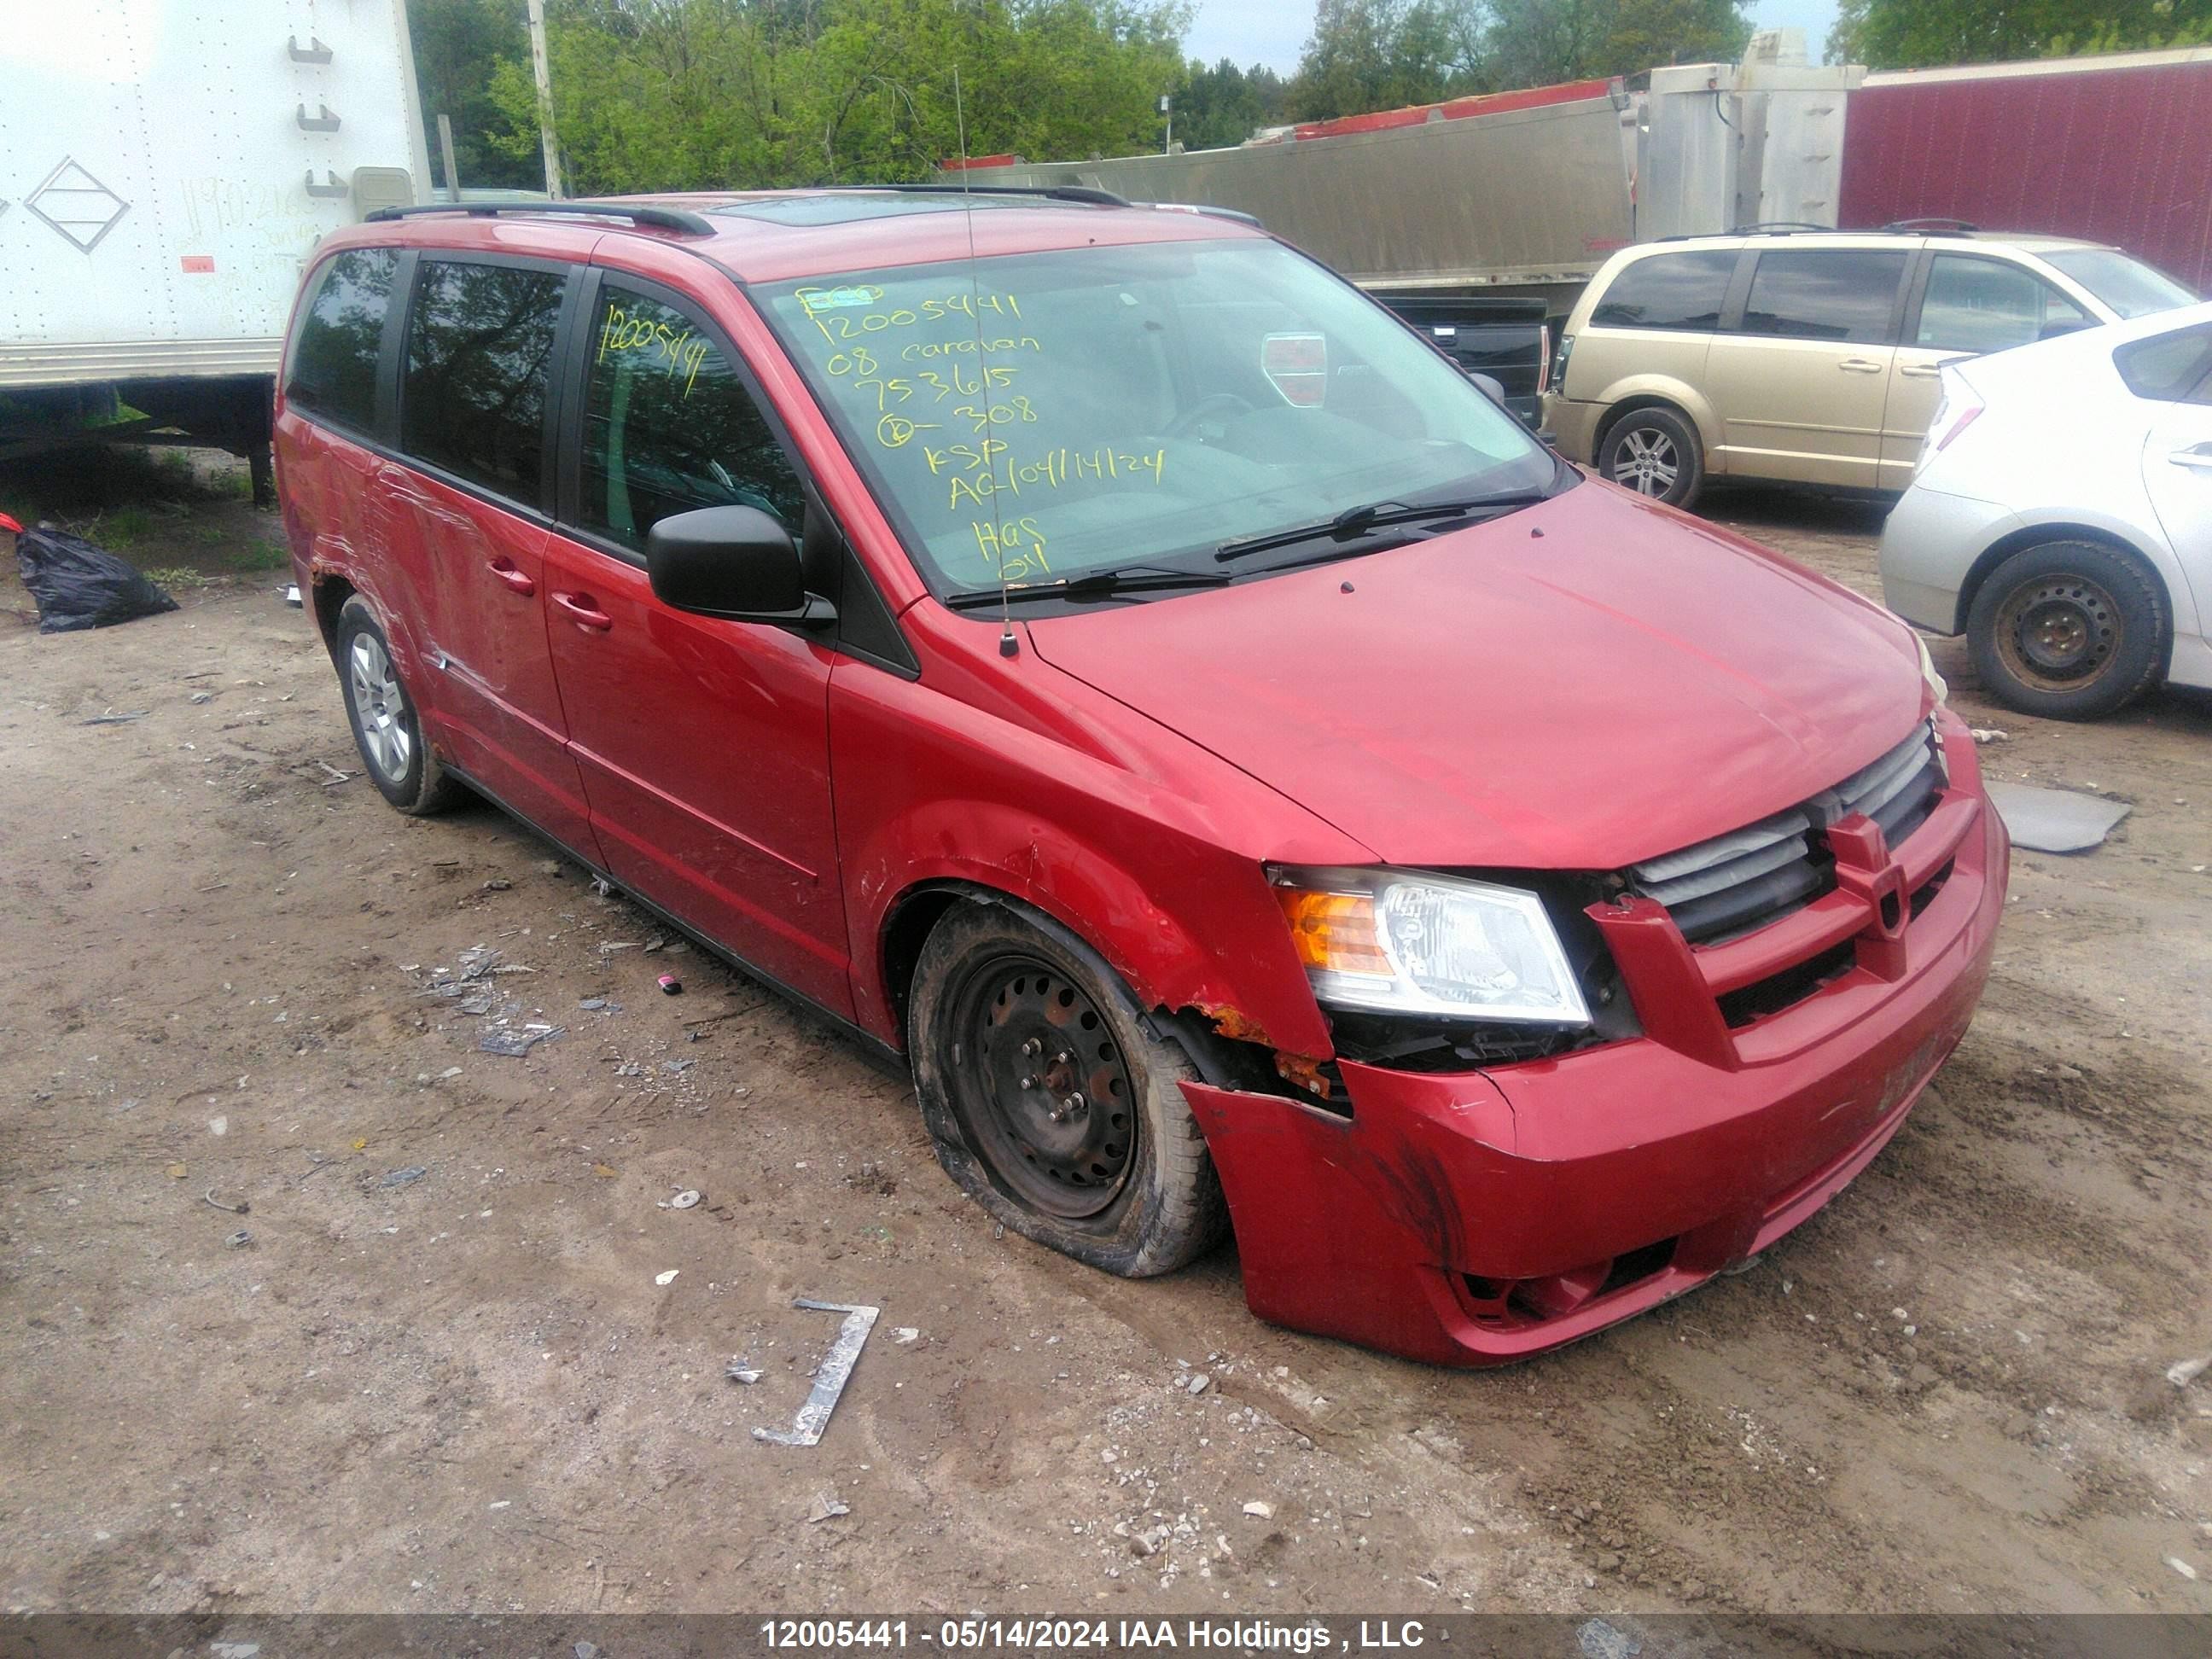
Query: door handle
583	611
2200	456
1860	366
520	580
1920	371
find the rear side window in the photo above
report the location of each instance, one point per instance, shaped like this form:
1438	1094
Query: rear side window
2169	368
479	352
669	426
1845	294
334	359
1669	290
1986	304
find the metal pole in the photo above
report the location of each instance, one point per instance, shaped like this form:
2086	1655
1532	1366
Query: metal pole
445	150
540	67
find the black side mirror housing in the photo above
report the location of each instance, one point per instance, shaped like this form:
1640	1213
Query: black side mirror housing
735	562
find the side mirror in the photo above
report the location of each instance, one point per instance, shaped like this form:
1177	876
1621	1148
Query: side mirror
1488	385
735	562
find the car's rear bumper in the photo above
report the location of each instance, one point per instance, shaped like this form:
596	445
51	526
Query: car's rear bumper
1479	1218
1928	543
1572	426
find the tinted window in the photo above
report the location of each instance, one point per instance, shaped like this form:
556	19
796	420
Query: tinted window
334	359
2131	288
2169	368
479	346
1986	305
1843	295
668	426
1667	290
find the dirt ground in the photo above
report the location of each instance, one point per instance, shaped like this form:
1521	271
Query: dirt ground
497	1382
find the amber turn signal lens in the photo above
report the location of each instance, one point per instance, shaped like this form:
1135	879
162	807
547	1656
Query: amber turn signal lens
1335	932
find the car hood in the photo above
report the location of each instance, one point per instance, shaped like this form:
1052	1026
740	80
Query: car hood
1579	685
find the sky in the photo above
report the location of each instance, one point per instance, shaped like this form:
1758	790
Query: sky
1271	31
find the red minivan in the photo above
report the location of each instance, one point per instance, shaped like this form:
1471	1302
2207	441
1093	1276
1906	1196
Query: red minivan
1093	654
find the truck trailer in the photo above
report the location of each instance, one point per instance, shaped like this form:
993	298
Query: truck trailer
166	168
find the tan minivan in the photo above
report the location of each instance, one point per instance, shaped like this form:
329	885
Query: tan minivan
1808	357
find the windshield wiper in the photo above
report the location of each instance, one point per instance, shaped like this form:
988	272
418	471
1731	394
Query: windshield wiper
1377	515
1095	585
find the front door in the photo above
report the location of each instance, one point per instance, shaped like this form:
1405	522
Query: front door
473	404
1971	304
1799	384
704	744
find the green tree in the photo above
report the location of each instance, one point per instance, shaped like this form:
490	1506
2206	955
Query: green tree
699	94
459	47
1380	54
1930	34
1541	42
1224	105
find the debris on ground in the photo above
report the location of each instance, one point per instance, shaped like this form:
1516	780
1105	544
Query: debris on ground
830	1376
1199	1383
1989	734
2055	820
686	1200
2181	1566
241	1206
1258	1511
79	586
740	1371
671	986
904	1335
292	597
239	1240
110	718
2182	1372
828	1506
406	1177
515	1044
668	1278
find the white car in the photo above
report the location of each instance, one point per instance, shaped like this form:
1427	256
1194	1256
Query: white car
2061	516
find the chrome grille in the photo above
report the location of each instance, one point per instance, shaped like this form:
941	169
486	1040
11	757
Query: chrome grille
1750	876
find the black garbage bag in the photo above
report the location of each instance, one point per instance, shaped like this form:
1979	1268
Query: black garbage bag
77	585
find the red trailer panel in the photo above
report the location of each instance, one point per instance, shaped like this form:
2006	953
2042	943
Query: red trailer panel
2115	150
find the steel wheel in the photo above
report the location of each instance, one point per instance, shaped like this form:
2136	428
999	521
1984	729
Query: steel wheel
1647	461
1041	1082
386	727
2058	632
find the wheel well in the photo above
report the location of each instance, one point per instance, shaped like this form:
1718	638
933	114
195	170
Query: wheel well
1219	1060
1629	406
2035	536
331	594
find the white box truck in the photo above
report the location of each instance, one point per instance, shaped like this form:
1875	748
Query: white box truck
166	168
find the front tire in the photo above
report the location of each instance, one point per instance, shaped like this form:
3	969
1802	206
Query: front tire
384	727
1052	1102
2072	630
1656	452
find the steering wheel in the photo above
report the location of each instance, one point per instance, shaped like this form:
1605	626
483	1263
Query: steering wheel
1220	402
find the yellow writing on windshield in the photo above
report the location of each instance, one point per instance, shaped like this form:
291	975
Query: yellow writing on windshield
1055	470
1013	547
682	352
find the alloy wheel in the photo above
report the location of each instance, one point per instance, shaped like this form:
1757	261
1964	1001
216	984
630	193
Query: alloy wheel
380	706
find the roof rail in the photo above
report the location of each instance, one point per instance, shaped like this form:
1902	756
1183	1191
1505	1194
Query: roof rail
1766	227
1207	208
659	218
1964	227
1052	192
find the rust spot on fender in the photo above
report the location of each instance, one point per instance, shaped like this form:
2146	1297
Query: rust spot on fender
1236	1026
1304	1070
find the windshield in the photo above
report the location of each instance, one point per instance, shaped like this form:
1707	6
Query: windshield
1054	414
2125	283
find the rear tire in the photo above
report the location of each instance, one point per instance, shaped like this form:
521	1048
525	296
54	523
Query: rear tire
1654	452
2072	630
1014	1019
382	715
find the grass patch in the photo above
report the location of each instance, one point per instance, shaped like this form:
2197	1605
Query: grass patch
177	576
256	557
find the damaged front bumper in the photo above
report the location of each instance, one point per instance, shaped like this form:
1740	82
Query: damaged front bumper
1477	1217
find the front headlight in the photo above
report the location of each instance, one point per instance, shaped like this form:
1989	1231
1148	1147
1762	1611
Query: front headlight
1428	944
1936	686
